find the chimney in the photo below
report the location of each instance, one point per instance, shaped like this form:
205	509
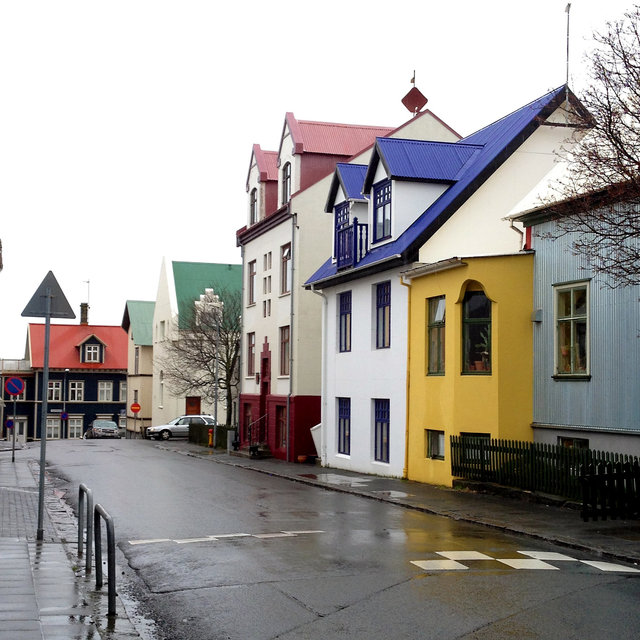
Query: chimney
84	313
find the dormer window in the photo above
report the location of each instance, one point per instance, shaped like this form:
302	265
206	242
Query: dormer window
286	183
92	353
382	211
253	206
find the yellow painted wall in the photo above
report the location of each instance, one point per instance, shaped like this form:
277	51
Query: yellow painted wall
501	403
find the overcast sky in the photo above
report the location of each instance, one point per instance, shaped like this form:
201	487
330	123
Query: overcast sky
126	126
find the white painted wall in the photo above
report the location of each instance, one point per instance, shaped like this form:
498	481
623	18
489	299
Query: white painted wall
363	374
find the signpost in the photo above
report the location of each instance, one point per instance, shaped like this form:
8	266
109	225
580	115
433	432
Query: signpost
135	409
47	302
14	387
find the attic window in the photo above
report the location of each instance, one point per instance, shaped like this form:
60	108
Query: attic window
286	183
253	206
92	353
382	211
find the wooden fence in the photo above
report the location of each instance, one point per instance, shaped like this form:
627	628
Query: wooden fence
530	466
611	489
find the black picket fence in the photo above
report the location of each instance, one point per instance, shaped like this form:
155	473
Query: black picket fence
530	466
611	490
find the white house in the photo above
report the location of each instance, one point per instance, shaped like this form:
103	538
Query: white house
426	201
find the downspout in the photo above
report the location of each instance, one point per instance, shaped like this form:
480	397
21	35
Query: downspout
242	346
294	226
323	384
405	470
518	231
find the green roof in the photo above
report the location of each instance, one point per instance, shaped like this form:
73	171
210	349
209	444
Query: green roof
138	315
192	278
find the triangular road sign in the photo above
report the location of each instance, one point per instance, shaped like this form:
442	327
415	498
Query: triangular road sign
37	307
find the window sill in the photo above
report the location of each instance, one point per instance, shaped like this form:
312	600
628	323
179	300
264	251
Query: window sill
435	374
439	458
251	304
475	373
284	294
574	377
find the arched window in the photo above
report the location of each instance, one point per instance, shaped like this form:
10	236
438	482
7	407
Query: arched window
286	183
253	206
476	333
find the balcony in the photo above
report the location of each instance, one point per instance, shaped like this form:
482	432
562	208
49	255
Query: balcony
352	244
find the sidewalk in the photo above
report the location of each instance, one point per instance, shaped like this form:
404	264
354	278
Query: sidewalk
42	595
613	539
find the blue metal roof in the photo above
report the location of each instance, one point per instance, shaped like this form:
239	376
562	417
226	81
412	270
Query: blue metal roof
421	160
497	142
352	178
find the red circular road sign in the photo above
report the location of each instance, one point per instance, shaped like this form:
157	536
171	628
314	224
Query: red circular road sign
135	407
14	386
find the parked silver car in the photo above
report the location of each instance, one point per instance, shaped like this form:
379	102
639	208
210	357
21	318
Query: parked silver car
102	429
178	427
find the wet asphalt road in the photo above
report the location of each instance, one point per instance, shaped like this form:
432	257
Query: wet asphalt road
214	551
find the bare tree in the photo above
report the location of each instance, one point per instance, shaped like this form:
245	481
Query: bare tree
204	357
601	192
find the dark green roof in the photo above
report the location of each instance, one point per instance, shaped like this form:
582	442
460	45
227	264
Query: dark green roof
138	314
192	278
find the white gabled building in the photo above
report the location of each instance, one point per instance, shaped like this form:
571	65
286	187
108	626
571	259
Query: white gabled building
426	202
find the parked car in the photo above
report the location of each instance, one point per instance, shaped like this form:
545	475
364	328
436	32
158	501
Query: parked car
102	429
178	427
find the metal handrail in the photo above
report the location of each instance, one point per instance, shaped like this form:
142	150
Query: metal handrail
85	493
99	512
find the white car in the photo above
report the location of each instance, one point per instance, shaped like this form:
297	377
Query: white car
178	427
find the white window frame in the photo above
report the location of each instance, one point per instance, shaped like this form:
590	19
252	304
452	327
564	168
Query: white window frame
572	320
122	391
54	391
105	391
92	353
76	391
75	427
53	427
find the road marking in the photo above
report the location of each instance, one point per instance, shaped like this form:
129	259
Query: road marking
227	536
609	566
439	565
535	561
527	563
464	555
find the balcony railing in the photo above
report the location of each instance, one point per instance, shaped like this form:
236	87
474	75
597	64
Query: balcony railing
352	244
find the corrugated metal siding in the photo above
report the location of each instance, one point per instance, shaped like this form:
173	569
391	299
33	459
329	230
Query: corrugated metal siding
338	139
610	399
419	160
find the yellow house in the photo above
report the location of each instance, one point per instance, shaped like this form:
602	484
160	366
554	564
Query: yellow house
470	365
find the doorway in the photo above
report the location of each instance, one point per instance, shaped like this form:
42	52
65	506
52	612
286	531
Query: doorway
192	405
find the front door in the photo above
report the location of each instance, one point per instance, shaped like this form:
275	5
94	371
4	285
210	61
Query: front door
192	405
20	425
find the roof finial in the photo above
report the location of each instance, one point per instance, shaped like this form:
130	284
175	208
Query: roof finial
414	100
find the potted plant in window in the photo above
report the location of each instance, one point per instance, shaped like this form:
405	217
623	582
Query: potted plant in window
483	350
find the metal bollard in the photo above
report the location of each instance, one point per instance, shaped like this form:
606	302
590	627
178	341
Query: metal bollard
85	493
111	555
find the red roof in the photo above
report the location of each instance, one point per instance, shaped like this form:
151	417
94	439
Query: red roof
332	138
64	341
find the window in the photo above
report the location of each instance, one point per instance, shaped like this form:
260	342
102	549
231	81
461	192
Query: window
434	444
251	354
76	391
573	443
251	284
285	268
54	393
266	285
122	391
284	351
266	308
475	446
162	331
286	183
281	427
253	206
383	315
74	428
381	412
136	361
382	211
161	389
435	335
344	340
105	391
92	353
344	426
53	428
341	222
266	260
476	333
572	355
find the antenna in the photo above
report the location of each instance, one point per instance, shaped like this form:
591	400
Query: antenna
568	12
88	283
